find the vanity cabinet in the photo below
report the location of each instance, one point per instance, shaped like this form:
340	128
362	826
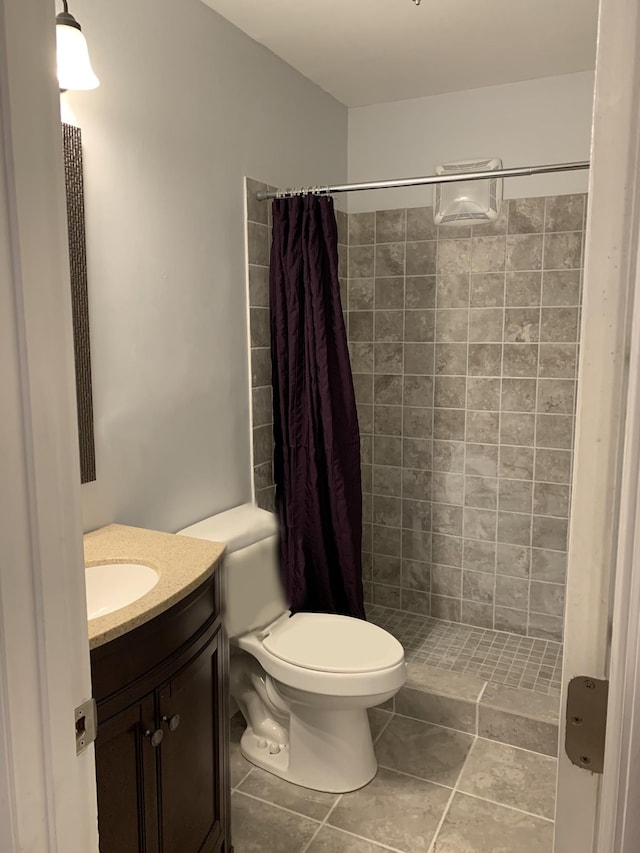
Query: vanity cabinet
162	748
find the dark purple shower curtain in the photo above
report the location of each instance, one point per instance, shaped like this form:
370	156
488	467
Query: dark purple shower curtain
317	441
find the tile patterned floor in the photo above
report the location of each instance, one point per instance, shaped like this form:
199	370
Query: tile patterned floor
437	791
497	656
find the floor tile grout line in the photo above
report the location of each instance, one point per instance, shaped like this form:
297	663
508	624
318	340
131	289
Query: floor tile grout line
277	806
434	840
417	778
385	727
437	725
519	748
365	838
477	709
482	692
243	780
505	806
324	823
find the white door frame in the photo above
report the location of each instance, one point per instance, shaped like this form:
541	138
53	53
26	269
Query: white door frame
588	813
47	793
619	827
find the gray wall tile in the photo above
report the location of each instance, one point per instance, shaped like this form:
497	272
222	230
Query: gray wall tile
387	388
464	350
361	261
478	556
416	575
389	292
447	550
561	287
482	427
564	213
389	259
362	229
420	224
452	290
488	254
360	294
526	215
483	394
559	324
419	325
513	560
485	324
454	256
421	258
563	251
487	290
420	291
390	226
524	252
523	288
474	613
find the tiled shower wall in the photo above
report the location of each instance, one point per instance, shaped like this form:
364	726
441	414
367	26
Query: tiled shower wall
464	351
258	251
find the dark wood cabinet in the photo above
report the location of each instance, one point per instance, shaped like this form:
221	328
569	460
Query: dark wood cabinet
190	796
162	748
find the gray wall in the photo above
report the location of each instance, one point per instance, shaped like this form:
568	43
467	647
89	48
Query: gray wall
464	346
528	123
187	107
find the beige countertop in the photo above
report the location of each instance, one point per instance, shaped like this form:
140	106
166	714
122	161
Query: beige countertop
182	562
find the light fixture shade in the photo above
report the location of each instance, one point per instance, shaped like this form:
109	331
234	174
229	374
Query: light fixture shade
74	66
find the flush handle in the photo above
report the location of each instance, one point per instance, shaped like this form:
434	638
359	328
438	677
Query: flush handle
155	738
172	722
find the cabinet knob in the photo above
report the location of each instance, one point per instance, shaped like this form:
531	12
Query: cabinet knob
172	722
154	737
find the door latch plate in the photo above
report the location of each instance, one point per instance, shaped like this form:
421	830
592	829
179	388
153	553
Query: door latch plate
86	724
586	722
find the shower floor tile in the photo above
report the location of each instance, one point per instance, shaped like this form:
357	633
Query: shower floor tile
523	662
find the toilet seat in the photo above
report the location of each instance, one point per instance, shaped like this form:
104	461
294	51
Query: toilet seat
308	665
330	643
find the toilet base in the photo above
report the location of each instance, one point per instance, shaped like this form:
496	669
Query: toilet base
327	751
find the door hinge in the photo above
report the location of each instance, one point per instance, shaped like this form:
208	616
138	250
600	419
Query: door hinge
586	722
86	724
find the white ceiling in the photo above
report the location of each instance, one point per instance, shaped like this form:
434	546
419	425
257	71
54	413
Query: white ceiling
371	51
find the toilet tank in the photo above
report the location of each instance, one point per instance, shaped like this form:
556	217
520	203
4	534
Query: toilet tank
253	593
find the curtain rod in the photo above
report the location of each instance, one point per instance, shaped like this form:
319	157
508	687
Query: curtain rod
429	179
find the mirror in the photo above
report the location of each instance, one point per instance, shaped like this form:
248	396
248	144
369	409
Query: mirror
72	145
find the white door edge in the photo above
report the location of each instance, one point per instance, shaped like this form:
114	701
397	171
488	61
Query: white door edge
619	826
47	793
612	245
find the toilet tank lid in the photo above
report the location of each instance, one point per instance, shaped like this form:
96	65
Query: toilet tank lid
236	528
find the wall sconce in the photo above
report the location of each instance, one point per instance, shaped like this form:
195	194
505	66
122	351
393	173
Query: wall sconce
74	66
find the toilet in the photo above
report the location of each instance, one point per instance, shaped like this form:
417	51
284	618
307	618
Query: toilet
303	682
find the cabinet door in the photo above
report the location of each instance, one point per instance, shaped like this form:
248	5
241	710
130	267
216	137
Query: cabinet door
192	756
126	777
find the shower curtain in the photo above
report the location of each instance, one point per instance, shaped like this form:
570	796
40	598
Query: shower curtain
317	441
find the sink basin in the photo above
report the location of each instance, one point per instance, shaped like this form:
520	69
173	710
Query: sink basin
115	585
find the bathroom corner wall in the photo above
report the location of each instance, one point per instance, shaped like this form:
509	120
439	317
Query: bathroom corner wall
464	352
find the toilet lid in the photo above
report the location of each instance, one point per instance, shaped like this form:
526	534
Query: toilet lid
333	644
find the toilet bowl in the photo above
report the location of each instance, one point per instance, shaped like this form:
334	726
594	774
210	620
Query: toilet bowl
303	682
